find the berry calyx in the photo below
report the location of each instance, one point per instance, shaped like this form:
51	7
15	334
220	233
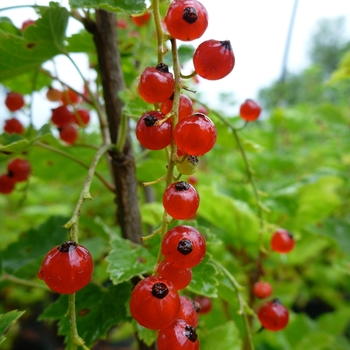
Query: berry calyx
67	268
262	289
150	134
181	200
188	166
195	134
186	20
180	278
61	116
7	184
282	241
249	110
154	303
19	169
68	133
14	101
13	126
214	59
183	247
273	315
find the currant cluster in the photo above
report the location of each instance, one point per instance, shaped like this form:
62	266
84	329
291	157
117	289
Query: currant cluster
14	102
18	170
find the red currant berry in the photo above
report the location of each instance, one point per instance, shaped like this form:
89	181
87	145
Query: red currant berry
262	289
122	23
201	109
154	303
273	315
62	115
67	268
185	106
189	311
186	20
180	278
204	303
53	95
81	117
19	169
13	126
183	247
7	184
282	241
68	133
151	135
214	59
27	23
193	180
69	97
14	101
141	20
156	84
195	134
179	335
249	110
181	200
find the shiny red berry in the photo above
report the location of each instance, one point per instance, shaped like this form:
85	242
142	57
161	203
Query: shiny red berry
141	20
273	315
81	117
61	116
249	110
195	134
67	268
179	336
156	84
13	126
7	184
189	311
214	59
186	20
205	304
183	247
19	169
14	101
181	200
151	135
69	97
262	289
180	278
282	241
27	23
185	106
154	303
68	133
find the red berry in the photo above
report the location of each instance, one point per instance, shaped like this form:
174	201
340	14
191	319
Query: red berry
249	110
183	247
180	278
189	311
68	133
26	24
19	169
262	289
154	303
156	84
13	126
69	97
185	106
181	200
141	20
81	117
201	109
62	115
153	136
7	184
67	268
214	59
122	23
273	315
14	101
204	303
195	134
193	180
186	20
53	95
282	241
179	336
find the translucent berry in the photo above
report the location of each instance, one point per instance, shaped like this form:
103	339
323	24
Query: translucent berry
53	95
181	200
67	268
189	311
249	110
195	134
262	289
19	169
273	315
180	278
7	184
13	126
61	116
183	247
81	117
68	133
282	241
14	101
214	59
69	97
154	303
142	19
205	304
185	106
186	20
27	23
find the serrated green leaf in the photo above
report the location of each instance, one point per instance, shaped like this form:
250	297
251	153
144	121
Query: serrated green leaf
7	26
148	336
128	6
127	260
81	42
7	320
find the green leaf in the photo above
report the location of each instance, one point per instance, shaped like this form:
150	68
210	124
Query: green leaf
148	336
81	42
7	320
7	26
18	146
128	6
152	213
127	260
